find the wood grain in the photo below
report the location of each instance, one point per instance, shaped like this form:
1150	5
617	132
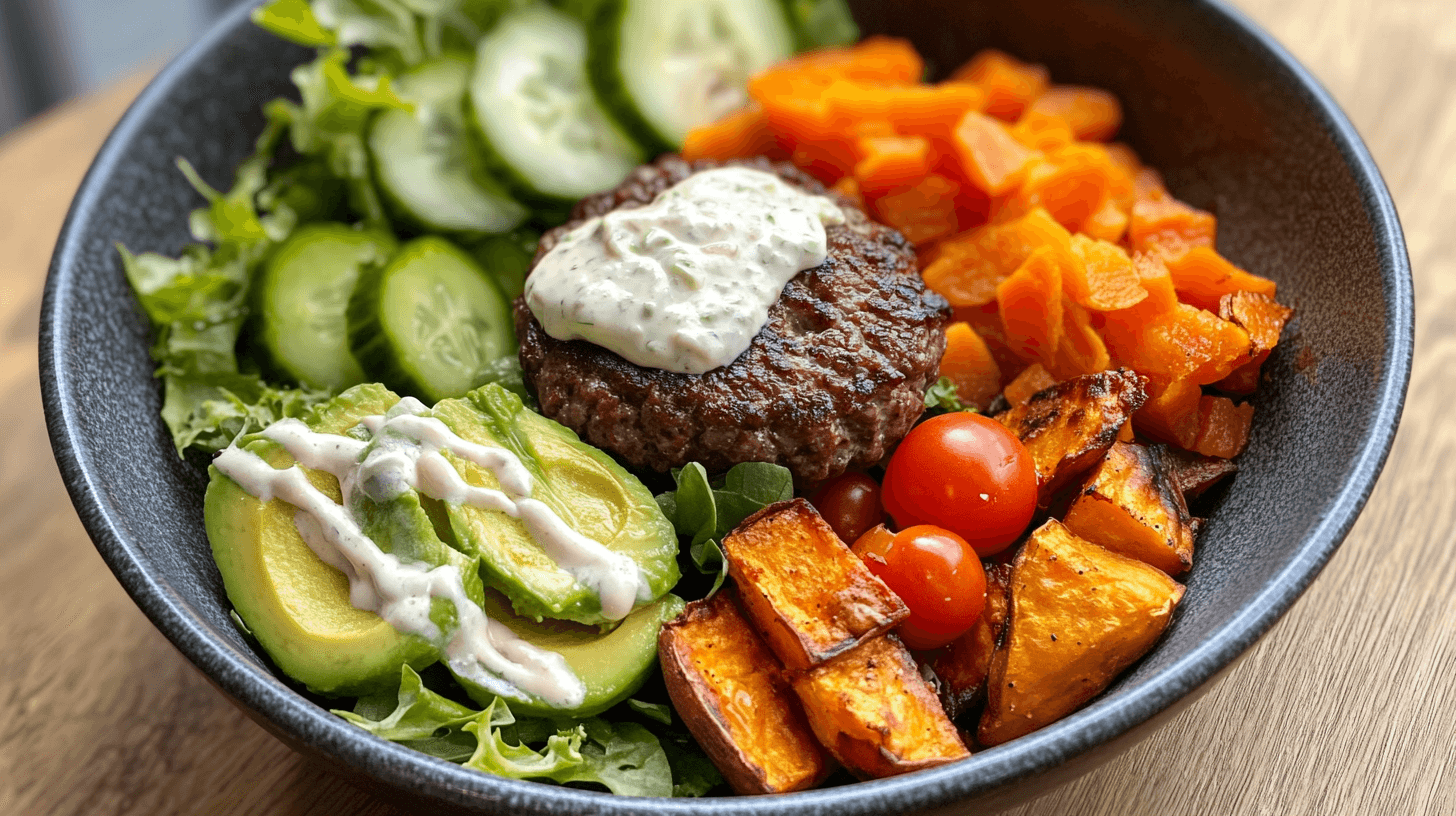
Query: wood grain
1348	706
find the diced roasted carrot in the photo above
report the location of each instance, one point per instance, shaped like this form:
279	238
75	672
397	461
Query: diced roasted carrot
877	59
1032	379
915	109
985	320
1183	343
1030	301
828	161
1091	113
891	161
1109	223
1169	226
1070	183
1148	186
1223	428
1260	316
794	109
1171	412
991	158
1202	277
966	268
1081	350
1009	83
742	133
1039	131
922	212
1245	379
1106	279
968	363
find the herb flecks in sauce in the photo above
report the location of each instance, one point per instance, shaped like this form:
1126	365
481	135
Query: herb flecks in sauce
684	283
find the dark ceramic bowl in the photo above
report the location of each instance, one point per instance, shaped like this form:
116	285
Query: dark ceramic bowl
1235	124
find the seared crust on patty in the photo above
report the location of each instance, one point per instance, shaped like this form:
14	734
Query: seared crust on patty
834	379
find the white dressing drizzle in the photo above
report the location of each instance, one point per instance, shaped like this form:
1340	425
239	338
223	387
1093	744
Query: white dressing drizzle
684	283
405	453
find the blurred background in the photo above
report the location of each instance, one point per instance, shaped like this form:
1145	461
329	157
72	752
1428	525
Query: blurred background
52	50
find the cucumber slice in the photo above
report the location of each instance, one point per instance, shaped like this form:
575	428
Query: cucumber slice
421	159
301	296
665	67
535	116
431	323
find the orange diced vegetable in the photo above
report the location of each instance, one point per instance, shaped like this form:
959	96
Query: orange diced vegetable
891	161
991	158
1169	226
849	188
1038	131
1091	113
1032	379
1260	316
1223	428
1171	412
1109	223
1202	277
1030	301
874	60
742	133
1009	83
1107	278
1081	350
1131	505
1184	343
915	109
968	363
1071	184
922	212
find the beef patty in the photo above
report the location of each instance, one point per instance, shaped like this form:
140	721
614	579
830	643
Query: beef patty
834	379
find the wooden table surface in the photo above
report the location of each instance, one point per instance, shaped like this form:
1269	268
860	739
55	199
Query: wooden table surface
1347	706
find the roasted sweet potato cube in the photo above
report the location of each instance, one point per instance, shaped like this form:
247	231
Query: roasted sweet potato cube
961	665
1131	505
733	695
1194	473
1257	314
1080	615
875	713
809	596
1067	428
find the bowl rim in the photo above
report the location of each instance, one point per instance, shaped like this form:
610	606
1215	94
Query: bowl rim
310	725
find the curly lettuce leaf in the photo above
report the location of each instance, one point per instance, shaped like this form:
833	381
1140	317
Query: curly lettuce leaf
623	757
295	21
330	122
942	397
418	718
821	23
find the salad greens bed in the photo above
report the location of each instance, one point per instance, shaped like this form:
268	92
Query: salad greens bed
323	166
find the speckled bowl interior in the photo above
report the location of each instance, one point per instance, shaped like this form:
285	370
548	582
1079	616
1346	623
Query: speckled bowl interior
1236	126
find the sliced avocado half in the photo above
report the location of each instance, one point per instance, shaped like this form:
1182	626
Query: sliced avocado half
593	494
296	605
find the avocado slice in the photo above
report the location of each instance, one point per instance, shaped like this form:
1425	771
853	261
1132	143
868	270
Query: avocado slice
613	664
581	484
296	605
299	608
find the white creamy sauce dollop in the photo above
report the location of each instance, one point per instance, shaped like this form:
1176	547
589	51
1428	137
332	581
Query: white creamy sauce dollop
405	453
684	283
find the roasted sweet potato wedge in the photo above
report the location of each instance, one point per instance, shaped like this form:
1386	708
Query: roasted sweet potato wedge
1194	473
1080	615
961	666
732	694
809	596
875	713
1068	427
1131	505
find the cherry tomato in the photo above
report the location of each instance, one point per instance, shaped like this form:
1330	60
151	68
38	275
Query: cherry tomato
966	473
850	503
935	572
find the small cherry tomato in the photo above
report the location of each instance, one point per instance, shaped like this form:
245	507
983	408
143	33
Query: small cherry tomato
850	503
935	572
966	473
